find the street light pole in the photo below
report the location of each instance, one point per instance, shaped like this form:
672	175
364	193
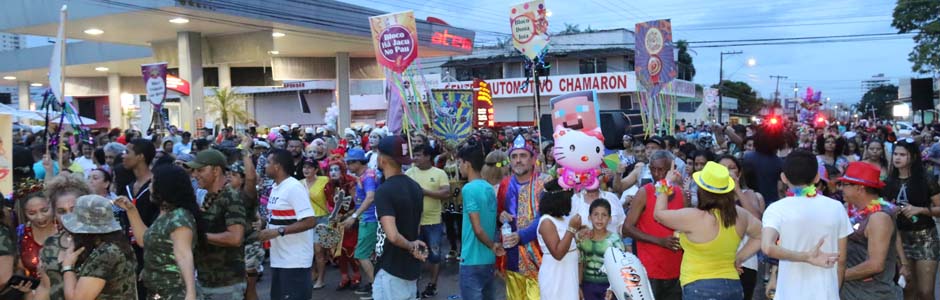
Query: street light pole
777	91
721	75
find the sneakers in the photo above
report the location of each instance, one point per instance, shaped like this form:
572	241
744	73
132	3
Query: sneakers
429	291
452	255
364	289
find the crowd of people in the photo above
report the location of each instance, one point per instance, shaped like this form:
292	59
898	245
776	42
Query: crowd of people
772	211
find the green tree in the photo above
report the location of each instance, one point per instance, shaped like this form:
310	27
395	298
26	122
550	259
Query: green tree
922	17
571	28
686	68
878	98
227	105
748	102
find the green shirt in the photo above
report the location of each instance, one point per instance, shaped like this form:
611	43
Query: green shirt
109	263
592	256
49	256
221	266
161	274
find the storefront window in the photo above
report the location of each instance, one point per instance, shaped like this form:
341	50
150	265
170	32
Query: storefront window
485	72
593	65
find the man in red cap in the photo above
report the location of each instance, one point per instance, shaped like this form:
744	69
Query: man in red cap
871	252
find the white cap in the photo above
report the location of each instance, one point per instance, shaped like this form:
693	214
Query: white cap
308	130
284	128
321	130
294	125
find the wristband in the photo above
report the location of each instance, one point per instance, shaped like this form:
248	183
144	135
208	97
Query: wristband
355	215
66	269
572	230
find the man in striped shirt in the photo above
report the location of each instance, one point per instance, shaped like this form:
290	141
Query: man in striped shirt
289	230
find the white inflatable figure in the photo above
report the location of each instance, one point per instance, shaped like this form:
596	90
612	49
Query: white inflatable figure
626	275
579	153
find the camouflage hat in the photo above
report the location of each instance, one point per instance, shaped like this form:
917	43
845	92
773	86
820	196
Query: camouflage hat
92	214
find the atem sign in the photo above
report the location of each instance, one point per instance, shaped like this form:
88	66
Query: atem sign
445	38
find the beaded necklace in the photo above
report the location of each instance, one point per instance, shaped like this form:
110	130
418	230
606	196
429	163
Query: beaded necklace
856	215
807	191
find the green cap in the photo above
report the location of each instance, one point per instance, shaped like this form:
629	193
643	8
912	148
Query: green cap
210	157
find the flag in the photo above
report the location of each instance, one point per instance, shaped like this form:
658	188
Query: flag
56	77
395	110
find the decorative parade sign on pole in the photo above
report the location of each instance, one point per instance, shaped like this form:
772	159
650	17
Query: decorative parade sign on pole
155	84
655	67
395	40
529	27
453	115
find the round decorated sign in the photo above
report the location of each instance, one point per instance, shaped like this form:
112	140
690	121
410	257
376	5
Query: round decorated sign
654	41
523	28
655	65
397	45
156	88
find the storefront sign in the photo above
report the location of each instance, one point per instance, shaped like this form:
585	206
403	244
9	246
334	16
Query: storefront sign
452	40
556	85
177	84
483	105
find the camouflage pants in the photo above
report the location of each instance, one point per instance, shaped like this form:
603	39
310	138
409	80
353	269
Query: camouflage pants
169	295
232	292
254	257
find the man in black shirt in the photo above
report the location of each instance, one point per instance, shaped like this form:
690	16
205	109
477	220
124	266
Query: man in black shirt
398	204
296	148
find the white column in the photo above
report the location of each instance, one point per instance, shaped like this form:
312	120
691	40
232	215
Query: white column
192	108
22	92
225	76
342	90
114	101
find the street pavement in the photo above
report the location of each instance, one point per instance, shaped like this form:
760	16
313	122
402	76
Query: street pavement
448	287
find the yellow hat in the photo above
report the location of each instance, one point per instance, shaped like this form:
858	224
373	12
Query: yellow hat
714	178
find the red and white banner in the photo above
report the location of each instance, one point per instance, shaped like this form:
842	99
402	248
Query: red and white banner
621	82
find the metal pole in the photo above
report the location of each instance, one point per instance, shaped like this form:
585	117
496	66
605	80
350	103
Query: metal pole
777	91
721	81
536	102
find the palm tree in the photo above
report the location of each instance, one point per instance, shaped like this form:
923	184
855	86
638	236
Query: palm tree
227	105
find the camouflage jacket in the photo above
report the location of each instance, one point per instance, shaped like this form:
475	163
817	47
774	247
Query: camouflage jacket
49	256
161	273
108	262
221	266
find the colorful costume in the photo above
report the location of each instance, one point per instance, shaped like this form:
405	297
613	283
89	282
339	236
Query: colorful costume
521	200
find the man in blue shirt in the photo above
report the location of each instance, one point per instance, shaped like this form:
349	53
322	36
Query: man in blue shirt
366	185
479	247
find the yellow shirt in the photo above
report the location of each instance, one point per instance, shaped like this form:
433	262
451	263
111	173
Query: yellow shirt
318	197
431	179
710	260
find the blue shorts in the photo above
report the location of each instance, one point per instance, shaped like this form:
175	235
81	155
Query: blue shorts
431	235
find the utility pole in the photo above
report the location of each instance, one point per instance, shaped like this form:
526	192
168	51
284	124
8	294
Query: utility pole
721	79
777	91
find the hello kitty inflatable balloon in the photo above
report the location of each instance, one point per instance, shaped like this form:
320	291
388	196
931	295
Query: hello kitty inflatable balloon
579	154
579	144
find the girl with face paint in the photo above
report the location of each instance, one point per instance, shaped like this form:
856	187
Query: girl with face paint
339	178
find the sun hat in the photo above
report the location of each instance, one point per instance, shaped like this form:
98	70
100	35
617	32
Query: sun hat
93	214
714	178
864	174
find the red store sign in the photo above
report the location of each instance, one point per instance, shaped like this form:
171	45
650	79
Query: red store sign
482	105
451	40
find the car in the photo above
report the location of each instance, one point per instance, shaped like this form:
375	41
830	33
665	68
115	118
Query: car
903	129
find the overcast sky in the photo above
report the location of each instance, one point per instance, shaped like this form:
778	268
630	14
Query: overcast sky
835	68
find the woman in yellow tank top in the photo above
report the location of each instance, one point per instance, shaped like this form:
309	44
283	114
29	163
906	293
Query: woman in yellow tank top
710	234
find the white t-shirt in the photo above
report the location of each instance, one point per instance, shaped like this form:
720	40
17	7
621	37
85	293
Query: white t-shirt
801	222
583	209
87	164
289	203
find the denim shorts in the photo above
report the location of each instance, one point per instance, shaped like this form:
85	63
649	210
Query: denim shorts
431	235
476	282
389	287
713	289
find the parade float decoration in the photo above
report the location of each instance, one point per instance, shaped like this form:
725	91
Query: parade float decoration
626	275
655	69
579	143
809	108
528	23
57	107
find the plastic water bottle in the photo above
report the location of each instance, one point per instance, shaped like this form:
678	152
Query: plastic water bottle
506	231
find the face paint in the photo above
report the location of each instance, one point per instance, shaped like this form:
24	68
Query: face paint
335	172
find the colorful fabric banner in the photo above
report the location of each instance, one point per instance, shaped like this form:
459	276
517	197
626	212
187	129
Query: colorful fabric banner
396	105
529	27
453	115
655	65
155	82
395	40
6	152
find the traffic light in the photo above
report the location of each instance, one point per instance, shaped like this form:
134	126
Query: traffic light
820	121
773	120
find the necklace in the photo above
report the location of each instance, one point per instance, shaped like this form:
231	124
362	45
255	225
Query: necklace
856	215
807	191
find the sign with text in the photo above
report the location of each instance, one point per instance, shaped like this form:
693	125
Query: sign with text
483	115
6	152
528	24
177	84
155	82
620	82
395	40
445	38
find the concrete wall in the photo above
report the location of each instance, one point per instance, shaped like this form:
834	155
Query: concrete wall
284	108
